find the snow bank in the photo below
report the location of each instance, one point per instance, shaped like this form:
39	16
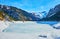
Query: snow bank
57	26
3	25
24	22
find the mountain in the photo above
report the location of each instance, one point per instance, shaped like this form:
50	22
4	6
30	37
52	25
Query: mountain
53	14
12	13
44	14
41	14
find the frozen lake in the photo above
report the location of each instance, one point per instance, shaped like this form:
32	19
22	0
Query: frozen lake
31	30
29	27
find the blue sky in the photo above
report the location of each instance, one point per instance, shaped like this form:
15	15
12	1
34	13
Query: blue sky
31	5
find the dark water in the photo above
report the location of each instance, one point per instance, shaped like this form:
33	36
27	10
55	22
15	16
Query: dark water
47	22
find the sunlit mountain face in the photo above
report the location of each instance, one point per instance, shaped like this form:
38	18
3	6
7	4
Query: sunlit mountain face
13	13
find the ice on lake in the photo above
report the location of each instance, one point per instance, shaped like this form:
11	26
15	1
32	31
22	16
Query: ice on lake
30	30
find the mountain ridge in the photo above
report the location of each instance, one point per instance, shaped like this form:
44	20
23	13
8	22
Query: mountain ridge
17	14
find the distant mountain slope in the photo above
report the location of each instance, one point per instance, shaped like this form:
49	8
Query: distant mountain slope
53	14
15	14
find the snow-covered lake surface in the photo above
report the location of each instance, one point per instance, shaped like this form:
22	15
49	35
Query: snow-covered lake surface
29	30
